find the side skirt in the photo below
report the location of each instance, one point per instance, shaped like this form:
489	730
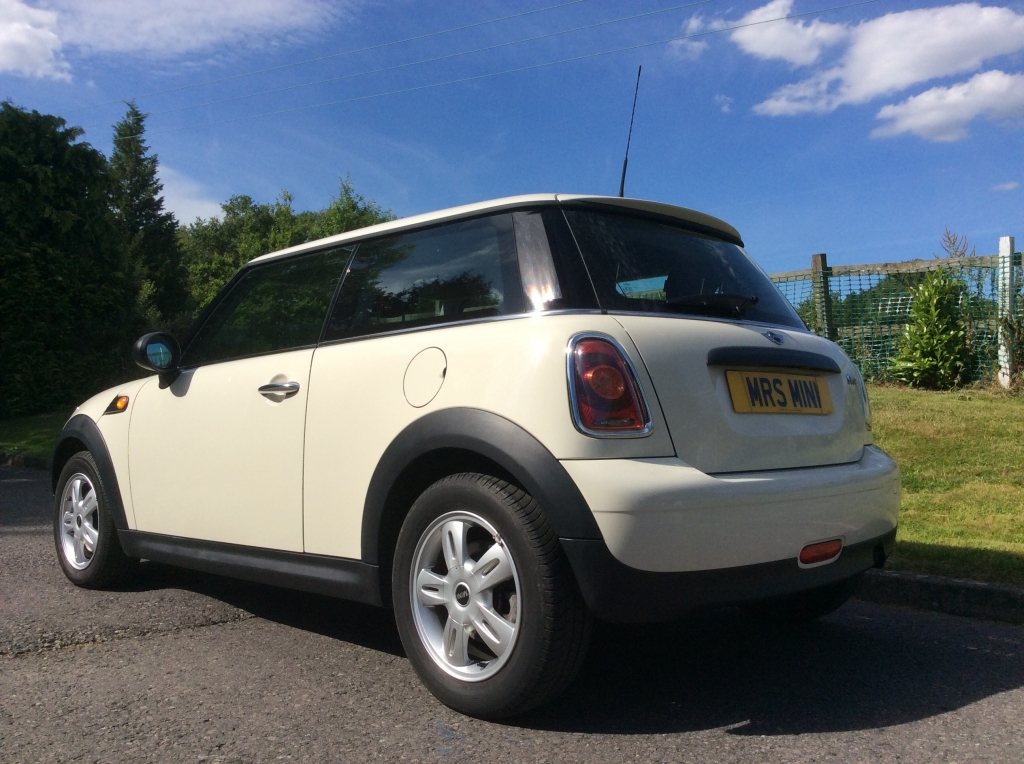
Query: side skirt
333	576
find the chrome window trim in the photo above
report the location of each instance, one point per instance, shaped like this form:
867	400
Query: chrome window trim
717	319
570	374
465	322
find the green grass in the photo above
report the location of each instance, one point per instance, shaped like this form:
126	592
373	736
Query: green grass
32	435
962	460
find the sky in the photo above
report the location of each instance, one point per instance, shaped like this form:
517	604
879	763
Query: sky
861	130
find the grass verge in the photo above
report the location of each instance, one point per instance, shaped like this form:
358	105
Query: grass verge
962	458
32	435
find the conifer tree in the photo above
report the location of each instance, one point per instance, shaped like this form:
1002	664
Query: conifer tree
150	232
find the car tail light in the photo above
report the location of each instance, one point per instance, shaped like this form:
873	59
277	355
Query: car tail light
605	397
812	554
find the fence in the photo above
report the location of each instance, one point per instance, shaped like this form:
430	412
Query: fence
864	308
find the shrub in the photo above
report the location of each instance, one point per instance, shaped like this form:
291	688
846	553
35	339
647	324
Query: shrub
933	349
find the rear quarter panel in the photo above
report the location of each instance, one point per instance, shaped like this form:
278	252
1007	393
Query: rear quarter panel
514	368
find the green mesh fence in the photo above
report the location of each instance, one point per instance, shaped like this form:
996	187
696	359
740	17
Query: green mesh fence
864	308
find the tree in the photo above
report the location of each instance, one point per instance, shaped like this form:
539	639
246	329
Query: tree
214	249
65	287
150	233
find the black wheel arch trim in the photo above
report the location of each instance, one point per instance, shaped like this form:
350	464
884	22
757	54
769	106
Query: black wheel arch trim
495	438
83	429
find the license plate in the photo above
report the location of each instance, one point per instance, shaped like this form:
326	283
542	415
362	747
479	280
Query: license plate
761	392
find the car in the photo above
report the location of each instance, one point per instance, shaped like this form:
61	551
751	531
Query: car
503	421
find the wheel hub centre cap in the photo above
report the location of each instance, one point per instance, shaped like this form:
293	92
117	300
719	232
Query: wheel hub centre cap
78	521
461	594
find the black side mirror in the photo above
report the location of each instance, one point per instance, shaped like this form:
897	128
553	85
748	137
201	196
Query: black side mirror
157	351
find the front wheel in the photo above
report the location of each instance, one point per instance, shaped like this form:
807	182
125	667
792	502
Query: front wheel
489	612
83	528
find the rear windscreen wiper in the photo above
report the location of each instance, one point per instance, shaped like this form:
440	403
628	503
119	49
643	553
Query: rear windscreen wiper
730	304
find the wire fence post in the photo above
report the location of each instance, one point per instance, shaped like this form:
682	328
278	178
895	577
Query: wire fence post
1007	293
820	275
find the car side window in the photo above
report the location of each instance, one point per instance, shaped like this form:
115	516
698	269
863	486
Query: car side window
279	305
455	272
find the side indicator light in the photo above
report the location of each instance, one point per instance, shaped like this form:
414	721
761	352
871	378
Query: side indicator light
119	404
821	552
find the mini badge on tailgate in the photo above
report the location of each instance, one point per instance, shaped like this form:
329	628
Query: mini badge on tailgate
766	392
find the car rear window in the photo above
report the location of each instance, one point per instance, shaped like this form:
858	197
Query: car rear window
646	265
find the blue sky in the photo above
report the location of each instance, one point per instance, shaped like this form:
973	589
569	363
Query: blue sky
861	132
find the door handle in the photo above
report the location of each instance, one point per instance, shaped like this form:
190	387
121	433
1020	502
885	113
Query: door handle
274	389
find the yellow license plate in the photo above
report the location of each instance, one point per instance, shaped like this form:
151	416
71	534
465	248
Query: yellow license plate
766	392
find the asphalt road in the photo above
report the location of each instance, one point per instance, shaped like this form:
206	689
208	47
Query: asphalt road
189	667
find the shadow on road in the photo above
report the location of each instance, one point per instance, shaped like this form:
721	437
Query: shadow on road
865	667
362	625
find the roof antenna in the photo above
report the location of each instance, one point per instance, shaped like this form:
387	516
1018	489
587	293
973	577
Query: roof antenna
625	162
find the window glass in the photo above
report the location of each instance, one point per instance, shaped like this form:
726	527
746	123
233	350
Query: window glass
639	264
275	306
455	272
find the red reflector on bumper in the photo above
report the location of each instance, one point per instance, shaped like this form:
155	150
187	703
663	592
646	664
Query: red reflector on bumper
826	550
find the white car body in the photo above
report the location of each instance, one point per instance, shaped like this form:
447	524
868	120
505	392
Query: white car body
710	506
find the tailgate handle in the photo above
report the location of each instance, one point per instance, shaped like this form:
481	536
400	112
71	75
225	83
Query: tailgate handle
747	357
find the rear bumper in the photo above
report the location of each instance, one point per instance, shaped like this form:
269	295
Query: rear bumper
664	516
675	538
617	592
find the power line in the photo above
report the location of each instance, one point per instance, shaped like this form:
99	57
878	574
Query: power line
421	61
254	72
505	71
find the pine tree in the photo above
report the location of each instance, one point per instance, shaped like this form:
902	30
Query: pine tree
150	232
65	291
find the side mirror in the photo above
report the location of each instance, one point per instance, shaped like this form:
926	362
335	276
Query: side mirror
157	351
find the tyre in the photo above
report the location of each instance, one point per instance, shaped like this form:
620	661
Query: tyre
486	604
83	528
805	606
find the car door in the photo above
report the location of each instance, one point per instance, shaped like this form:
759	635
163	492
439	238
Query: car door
218	454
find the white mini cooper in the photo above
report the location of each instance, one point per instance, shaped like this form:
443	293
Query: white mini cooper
500	420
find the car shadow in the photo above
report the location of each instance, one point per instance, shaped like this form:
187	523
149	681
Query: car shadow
363	625
865	667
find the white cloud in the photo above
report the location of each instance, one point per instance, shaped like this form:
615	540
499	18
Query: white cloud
29	44
898	50
798	42
175	27
186	197
725	102
691	49
1011	186
32	39
942	114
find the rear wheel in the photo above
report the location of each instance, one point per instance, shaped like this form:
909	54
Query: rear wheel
489	612
805	606
83	528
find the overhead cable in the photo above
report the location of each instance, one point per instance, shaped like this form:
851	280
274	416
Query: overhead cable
254	72
504	71
421	61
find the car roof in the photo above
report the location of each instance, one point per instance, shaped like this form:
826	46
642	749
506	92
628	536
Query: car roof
509	202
